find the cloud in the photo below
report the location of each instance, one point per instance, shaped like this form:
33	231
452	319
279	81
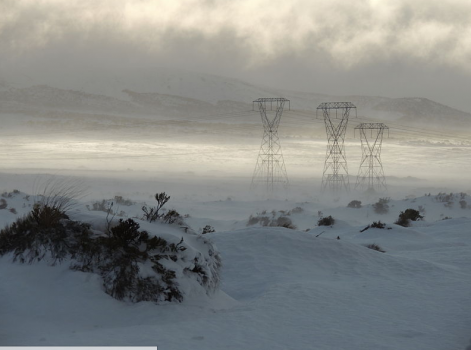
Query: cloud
351	33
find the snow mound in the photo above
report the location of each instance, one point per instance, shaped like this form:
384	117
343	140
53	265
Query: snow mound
162	263
270	256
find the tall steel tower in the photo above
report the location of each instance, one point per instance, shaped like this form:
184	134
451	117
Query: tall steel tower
270	168
370	174
335	176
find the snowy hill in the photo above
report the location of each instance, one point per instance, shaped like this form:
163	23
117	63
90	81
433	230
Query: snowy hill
43	97
183	93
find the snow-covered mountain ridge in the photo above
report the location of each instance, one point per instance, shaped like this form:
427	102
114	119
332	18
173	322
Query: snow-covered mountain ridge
180	93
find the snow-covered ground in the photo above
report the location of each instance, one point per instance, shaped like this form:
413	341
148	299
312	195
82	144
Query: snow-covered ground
196	138
281	288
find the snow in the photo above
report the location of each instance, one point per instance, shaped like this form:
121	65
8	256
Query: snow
281	288
190	135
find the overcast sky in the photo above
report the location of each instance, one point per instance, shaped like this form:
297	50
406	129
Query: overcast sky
395	48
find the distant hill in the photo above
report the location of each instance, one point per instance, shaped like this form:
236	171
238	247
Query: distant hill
170	93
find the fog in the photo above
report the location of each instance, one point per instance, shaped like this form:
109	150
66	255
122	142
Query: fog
418	48
154	95
139	162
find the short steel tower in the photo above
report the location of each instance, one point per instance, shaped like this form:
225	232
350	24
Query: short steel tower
270	169
370	174
335	175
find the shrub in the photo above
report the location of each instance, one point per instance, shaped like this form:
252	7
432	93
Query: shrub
117	257
326	221
297	210
463	204
172	216
60	194
407	216
121	201
46	216
354	204
207	229
280	219
3	203
284	221
152	213
381	207
375	247
378	224
43	233
101	206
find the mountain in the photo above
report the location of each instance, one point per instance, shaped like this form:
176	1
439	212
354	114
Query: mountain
182	94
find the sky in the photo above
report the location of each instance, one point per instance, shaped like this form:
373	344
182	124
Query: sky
401	48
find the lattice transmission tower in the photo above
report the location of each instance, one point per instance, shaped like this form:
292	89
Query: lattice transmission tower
270	169
370	174
335	175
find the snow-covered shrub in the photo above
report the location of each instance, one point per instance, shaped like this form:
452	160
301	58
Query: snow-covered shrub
354	204
463	204
45	233
119	256
122	201
381	207
276	219
375	224
297	210
152	213
207	229
100	206
3	204
171	217
375	247
134	265
326	221
405	217
378	224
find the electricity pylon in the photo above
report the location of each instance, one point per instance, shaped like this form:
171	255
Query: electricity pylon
270	168
370	174
335	175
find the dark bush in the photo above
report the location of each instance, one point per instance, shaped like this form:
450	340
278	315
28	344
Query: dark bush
378	224
297	210
47	233
44	233
172	216
121	201
407	216
381	207
375	247
326	221
152	213
101	206
354	204
463	204
207	229
375	224
284	221
280	219
117	257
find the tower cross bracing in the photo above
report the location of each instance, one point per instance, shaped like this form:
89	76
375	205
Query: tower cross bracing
270	169
371	174
335	174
